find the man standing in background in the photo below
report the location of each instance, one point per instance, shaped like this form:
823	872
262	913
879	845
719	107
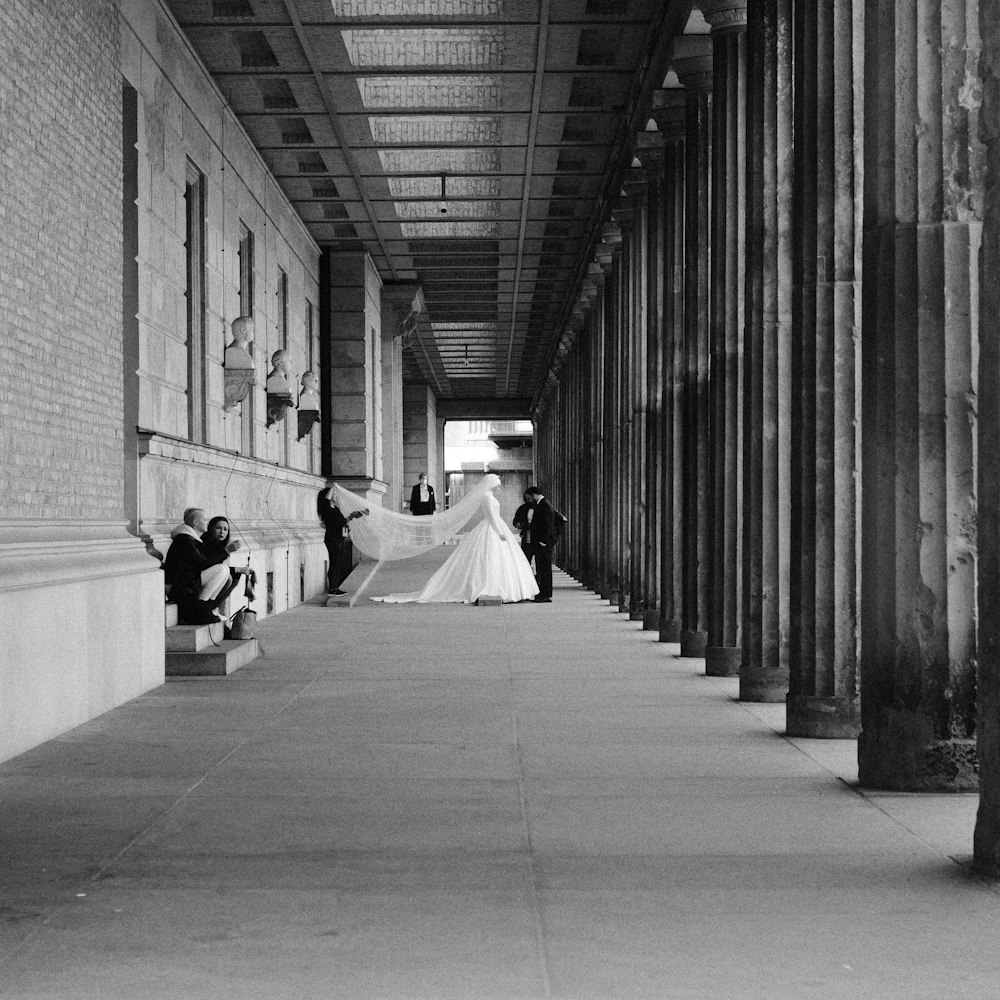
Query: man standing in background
422	497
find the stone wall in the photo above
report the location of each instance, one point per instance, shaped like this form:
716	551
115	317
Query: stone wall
227	461
81	603
60	254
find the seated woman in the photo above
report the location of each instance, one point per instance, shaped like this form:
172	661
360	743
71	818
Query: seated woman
199	582
216	542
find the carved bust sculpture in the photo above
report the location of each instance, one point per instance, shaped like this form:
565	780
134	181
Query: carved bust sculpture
308	403
309	397
238	353
277	379
279	395
239	367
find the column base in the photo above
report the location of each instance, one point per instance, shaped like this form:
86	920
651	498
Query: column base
693	643
605	594
623	604
763	690
822	718
614	599
636	612
899	757
723	661
670	630
651	620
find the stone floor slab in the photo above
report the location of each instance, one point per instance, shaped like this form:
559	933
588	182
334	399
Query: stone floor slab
501	803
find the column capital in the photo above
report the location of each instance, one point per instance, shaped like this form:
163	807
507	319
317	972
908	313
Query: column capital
649	151
693	61
669	111
634	182
405	299
725	15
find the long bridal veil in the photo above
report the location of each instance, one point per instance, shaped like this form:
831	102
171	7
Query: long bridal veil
385	535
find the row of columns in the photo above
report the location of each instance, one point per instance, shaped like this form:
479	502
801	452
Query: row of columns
777	391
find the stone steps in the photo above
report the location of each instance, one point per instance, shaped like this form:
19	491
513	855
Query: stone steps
201	650
216	661
193	638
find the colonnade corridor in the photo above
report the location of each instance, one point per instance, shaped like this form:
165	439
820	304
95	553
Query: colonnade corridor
433	802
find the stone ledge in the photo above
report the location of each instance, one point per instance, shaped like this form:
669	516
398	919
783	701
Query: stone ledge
53	553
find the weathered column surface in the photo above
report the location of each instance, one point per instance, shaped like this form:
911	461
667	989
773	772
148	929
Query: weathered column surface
766	388
694	70
986	850
823	670
649	149
610	467
623	216
724	521
670	112
353	309
635	186
919	330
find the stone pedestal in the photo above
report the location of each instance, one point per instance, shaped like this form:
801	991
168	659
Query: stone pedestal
919	330
670	630
693	643
723	661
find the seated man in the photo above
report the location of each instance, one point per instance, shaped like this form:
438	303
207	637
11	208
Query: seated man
200	581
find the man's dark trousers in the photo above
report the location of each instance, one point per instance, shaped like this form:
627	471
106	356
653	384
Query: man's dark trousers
542	538
543	569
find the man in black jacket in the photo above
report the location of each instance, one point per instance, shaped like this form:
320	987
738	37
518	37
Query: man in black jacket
422	497
540	537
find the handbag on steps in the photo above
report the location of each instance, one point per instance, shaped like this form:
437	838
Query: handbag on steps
243	624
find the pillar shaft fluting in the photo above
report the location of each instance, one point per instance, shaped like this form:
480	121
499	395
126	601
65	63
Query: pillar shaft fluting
986	849
696	76
766	389
724	521
651	153
823	687
671	115
636	188
918	644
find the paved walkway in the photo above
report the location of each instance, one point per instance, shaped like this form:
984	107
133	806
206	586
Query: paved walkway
459	803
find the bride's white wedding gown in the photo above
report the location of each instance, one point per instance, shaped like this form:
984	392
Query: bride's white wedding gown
488	561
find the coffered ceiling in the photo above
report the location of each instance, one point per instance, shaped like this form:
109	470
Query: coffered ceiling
465	144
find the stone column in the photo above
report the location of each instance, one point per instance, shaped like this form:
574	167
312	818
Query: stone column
986	850
649	150
352	329
623	528
420	440
919	333
670	113
694	71
612	467
636	189
402	304
724	516
767	375
823	692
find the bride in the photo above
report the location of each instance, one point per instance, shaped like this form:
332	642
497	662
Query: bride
488	560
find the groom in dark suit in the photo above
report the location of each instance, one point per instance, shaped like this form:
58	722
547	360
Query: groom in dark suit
539	538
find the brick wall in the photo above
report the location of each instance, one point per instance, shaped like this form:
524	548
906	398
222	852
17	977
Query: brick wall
60	260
